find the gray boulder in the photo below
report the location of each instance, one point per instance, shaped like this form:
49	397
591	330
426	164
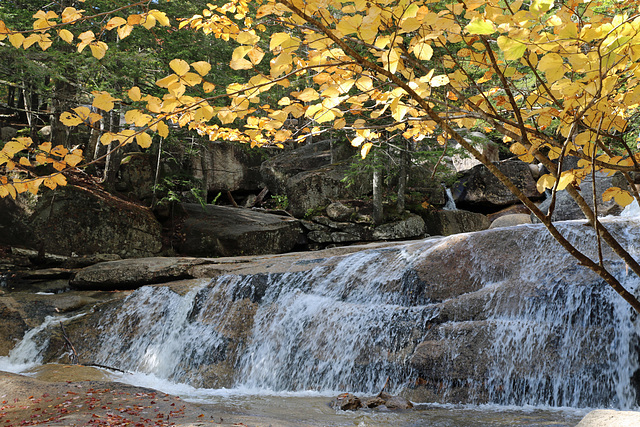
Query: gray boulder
566	208
447	222
133	273
225	166
339	212
511	220
213	231
319	187
136	177
479	189
80	221
412	226
610	418
312	176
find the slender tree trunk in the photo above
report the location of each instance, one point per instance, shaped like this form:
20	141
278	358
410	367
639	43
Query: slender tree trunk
377	196
114	157
402	176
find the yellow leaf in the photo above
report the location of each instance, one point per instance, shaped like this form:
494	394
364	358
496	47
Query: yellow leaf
255	55
621	197
179	66
134	93
98	49
74	158
124	31
148	22
24	161
103	100
30	41
168	81
107	138
423	51
161	17
480	26
440	80
12	147
541	6
566	178
512	49
144	140
545	181
59	151
34	184
364	83
45	146
16	40
201	67
240	64
208	87
340	123
59	179
115	22
248	37
69	119
191	79
66	35
366	147
163	129
308	95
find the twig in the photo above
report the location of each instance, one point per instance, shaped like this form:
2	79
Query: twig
74	355
383	387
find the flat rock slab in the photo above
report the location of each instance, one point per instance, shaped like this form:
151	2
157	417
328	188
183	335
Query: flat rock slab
73	395
214	231
133	273
610	418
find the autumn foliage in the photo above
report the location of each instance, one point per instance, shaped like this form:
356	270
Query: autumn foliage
554	79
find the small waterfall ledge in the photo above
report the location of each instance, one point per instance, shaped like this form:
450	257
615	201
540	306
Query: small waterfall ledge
502	316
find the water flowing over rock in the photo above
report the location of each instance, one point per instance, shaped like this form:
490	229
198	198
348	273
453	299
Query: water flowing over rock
501	316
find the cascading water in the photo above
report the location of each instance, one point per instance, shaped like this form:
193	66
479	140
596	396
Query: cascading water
501	316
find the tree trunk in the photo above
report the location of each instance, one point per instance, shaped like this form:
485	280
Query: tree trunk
377	196
402	176
114	155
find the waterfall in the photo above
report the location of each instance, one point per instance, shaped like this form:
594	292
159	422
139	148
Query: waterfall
502	316
28	353
450	205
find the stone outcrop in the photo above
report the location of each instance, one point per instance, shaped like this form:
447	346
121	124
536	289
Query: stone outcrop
322	230
213	231
566	208
511	220
133	273
610	418
80	221
312	176
447	222
225	166
136	177
479	190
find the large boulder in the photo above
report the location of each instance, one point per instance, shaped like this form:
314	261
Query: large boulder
479	190
277	170
312	189
81	221
136	177
312	176
447	222
212	231
566	208
227	166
